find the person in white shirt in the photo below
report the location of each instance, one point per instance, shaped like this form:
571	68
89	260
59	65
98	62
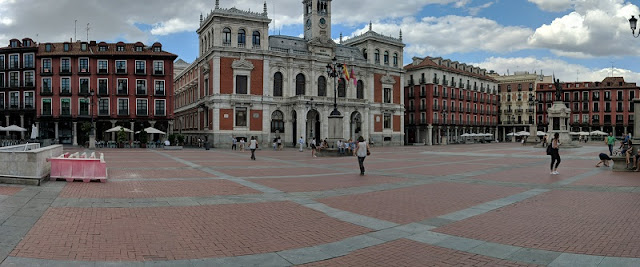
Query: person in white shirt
301	143
253	145
362	150
313	148
167	143
340	147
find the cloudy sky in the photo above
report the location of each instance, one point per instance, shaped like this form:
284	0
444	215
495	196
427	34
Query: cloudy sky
584	40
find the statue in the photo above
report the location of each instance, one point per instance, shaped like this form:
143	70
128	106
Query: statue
556	83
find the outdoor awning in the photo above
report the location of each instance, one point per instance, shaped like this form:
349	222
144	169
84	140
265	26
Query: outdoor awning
117	129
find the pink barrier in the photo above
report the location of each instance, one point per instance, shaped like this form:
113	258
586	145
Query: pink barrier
86	169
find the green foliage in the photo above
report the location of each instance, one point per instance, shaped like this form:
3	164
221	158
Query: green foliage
180	139
122	136
143	137
85	127
172	139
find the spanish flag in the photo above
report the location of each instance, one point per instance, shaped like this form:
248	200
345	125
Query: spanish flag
345	70
353	76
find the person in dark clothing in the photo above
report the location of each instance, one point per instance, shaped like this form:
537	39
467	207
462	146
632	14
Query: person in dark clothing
604	159
555	153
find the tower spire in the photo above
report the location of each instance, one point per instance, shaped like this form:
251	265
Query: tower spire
400	34
370	26
341	38
200	18
217	4
264	12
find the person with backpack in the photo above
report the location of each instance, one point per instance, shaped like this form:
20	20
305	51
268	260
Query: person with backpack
554	151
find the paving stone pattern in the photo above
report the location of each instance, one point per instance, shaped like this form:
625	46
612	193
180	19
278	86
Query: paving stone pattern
458	205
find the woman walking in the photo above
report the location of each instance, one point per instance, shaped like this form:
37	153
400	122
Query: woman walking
362	151
253	145
555	154
313	148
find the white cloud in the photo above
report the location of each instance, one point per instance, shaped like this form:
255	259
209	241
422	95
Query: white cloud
454	34
563	70
473	11
596	28
553	5
173	25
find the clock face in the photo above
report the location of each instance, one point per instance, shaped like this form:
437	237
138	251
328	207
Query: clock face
323	23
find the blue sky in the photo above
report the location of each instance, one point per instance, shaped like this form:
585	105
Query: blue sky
575	39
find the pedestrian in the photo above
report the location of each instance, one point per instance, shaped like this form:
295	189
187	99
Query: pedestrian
253	145
279	143
523	140
611	141
275	144
242	144
313	148
544	141
604	159
555	153
340	148
629	153
362	151
301	143
234	143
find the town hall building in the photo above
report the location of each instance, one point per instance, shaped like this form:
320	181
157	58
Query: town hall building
247	83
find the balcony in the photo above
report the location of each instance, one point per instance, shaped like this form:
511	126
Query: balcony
422	80
46	113
423	108
46	72
29	106
84	71
65	113
141	72
411	109
596	98
468	110
461	97
475	99
142	113
519	111
160	113
411	83
162	93
411	96
453	109
13	67
445	95
122	91
158	73
436	93
123	112
65	71
46	91
29	84
103	113
65	92
436	81
103	92
436	108
121	71
103	71
445	83
468	98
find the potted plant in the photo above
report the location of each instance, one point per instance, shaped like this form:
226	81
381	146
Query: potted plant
122	138
143	139
180	139
172	139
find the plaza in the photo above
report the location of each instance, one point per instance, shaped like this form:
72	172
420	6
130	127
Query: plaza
469	205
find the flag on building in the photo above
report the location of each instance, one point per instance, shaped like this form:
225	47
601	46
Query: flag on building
353	76
345	69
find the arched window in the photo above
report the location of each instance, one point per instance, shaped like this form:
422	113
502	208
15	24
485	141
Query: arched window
365	54
360	90
377	56
226	37
256	38
277	84
342	88
277	122
300	83
386	57
242	37
322	86
395	60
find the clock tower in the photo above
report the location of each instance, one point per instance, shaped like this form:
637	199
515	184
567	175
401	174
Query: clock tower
317	19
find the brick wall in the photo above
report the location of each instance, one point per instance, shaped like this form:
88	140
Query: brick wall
226	124
256	123
377	123
396	123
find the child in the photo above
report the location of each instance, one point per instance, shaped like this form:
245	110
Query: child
604	159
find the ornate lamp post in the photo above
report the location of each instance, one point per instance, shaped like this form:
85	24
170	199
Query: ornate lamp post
443	113
636	102
92	132
533	130
633	22
334	69
513	123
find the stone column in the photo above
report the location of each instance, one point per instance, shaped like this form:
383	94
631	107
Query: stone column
22	125
113	134
430	135
170	127
38	127
504	134
446	141
56	129
132	131
75	133
636	121
626	130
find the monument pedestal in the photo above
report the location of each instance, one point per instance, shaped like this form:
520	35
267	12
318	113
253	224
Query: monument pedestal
559	116
335	129
92	141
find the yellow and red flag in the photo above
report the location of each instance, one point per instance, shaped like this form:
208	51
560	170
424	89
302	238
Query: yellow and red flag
345	70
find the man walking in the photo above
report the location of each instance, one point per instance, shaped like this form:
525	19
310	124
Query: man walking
234	143
611	141
301	143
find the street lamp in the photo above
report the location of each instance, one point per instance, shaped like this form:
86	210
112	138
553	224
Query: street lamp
533	103
633	23
443	113
513	122
92	135
334	69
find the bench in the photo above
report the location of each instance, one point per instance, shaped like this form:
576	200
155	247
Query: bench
78	166
620	164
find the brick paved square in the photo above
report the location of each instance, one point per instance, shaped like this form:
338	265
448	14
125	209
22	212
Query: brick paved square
157	174
535	175
448	168
174	233
322	183
9	190
284	172
151	189
501	161
405	252
609	178
139	164
593	223
418	203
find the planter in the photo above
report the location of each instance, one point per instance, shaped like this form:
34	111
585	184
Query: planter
173	148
